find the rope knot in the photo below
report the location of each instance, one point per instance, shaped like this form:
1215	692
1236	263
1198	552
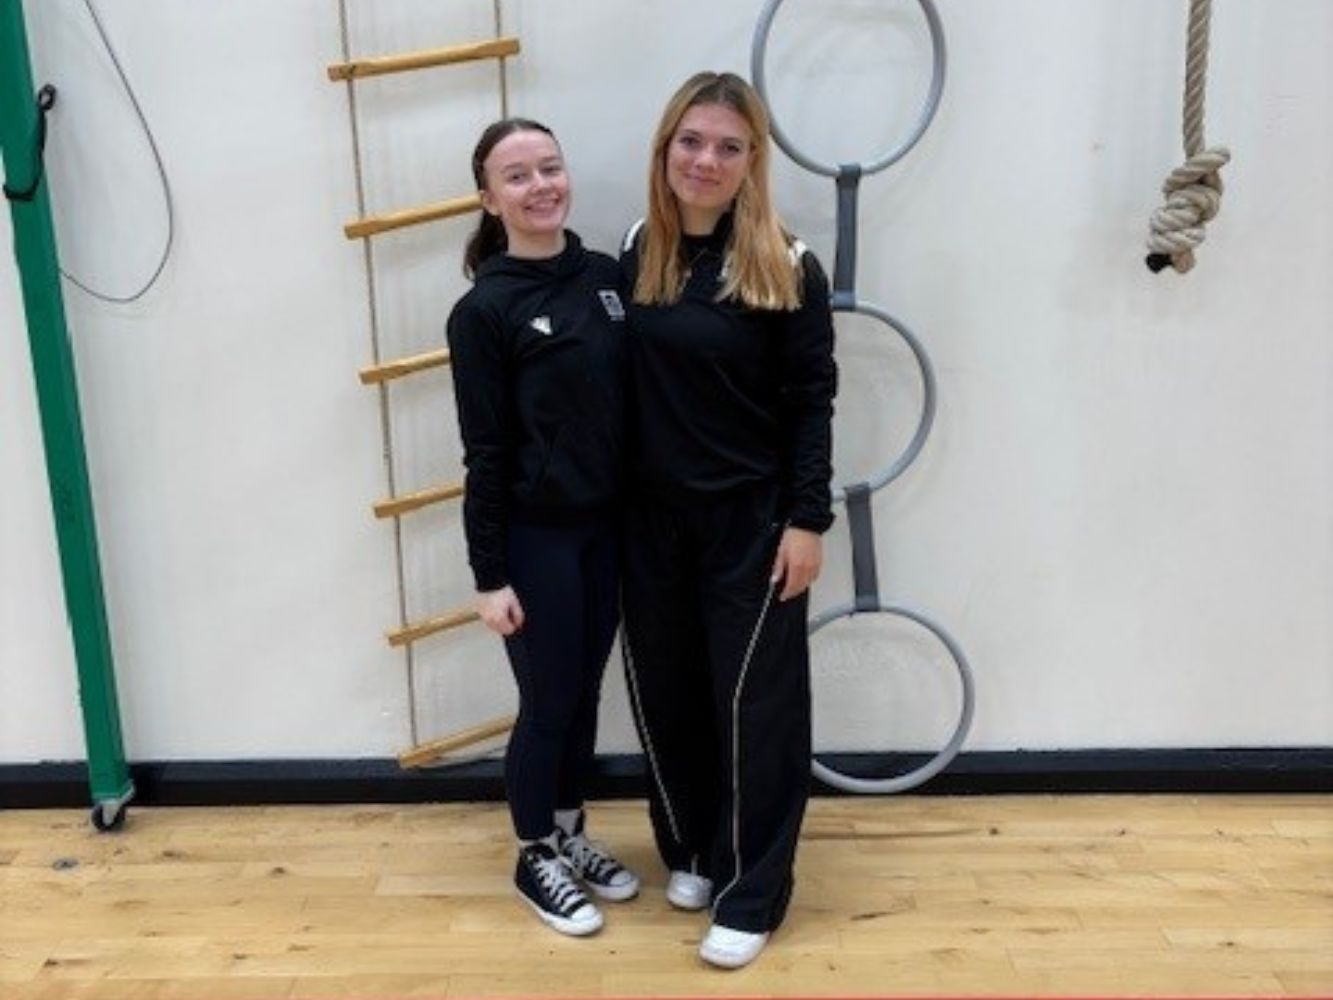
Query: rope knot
1193	193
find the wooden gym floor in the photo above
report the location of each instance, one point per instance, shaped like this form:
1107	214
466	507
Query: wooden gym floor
921	896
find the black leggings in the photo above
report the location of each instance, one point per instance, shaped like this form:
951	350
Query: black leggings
567	580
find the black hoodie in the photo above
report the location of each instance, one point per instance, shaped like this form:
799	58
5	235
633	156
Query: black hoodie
537	349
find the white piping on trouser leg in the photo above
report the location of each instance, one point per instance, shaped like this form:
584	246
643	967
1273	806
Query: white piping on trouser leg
736	747
645	736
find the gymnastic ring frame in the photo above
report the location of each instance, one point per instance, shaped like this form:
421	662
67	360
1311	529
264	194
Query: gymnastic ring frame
913	448
932	103
857	495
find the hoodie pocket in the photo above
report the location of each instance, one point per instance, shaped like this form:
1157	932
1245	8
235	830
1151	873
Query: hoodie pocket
544	481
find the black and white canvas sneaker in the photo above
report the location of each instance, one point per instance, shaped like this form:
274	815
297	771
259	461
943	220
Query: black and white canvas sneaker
544	879
600	872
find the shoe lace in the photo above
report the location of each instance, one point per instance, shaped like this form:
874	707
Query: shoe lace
589	857
554	876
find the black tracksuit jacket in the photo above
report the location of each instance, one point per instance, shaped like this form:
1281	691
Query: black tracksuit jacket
537	352
730	397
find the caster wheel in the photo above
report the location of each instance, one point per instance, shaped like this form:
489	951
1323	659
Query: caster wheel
108	817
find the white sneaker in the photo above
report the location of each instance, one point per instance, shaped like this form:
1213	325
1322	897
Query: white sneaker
687	891
731	949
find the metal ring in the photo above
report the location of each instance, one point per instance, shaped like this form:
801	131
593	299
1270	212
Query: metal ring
941	760
896	468
938	58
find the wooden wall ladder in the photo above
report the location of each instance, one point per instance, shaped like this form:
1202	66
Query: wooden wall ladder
382	373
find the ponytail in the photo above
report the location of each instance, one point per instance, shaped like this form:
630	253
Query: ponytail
488	239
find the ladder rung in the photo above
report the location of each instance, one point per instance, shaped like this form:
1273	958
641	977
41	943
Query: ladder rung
429	751
373	374
373	224
429	626
491	48
421	498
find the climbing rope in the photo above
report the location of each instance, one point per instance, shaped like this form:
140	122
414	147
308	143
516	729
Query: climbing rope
1193	190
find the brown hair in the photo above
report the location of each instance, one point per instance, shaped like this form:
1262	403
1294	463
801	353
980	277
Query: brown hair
759	270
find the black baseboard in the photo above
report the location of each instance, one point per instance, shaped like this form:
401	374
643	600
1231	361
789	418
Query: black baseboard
63	784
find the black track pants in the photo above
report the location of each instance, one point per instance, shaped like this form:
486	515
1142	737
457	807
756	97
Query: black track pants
719	681
566	578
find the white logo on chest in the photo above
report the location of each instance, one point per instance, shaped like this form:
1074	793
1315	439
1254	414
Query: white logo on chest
542	324
611	303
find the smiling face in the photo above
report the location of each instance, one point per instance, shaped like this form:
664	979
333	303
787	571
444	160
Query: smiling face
707	160
527	189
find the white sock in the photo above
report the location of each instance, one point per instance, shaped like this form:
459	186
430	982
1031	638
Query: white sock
552	839
568	820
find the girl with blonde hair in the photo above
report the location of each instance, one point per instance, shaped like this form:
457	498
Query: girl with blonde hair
733	378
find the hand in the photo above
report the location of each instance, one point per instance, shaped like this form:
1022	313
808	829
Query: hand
500	610
800	554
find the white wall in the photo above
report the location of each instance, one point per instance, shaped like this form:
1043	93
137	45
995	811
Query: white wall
1122	513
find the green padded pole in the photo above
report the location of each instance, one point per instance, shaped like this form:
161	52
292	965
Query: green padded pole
62	435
